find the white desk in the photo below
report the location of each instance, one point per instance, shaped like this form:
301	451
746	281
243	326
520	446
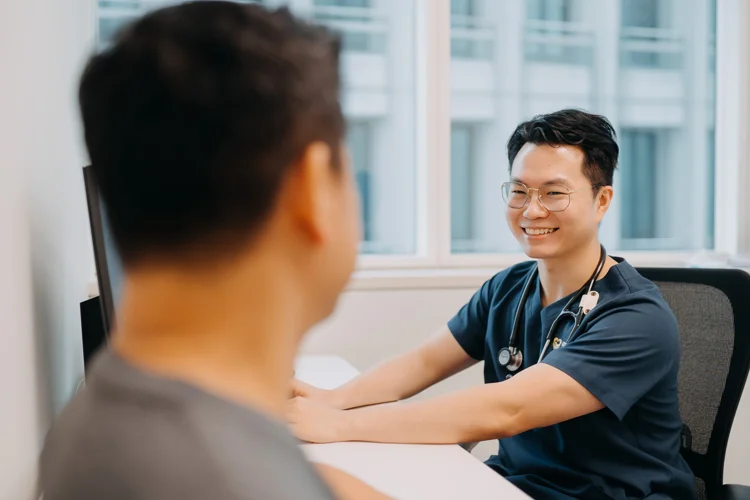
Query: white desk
403	471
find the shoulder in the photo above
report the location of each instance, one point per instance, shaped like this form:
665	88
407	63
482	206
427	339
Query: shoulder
635	290
107	446
200	447
510	277
635	306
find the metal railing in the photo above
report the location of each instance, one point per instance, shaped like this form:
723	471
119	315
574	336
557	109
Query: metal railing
558	41
472	38
651	48
114	14
361	29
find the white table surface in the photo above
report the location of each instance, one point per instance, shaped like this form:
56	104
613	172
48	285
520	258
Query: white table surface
402	471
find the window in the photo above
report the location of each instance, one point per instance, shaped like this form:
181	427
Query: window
645	64
363	28
359	141
641	13
552	33
433	89
378	61
471	37
640	181
648	39
549	10
463	183
114	14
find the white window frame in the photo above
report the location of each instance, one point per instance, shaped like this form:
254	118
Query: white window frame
432	22
733	131
435	265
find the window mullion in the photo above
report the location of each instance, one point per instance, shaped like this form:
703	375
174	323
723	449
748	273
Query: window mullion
440	167
733	97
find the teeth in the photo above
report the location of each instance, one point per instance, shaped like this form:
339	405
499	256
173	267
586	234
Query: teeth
538	231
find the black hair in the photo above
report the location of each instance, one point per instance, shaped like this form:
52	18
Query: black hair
593	134
194	116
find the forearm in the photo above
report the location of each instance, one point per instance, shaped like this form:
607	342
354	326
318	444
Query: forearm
408	374
537	397
395	379
476	414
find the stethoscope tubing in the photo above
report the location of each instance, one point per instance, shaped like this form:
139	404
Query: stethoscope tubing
577	316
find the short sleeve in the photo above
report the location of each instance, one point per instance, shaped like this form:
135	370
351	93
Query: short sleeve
623	353
469	325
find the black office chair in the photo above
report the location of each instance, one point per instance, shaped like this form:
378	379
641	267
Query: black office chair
712	307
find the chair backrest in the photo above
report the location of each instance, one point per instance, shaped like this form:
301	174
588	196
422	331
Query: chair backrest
711	307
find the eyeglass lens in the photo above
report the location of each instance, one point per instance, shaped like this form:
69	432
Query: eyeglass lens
554	197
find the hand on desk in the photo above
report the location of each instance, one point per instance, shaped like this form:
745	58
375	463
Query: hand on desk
315	422
322	396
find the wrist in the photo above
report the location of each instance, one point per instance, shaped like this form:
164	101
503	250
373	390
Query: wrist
347	428
336	398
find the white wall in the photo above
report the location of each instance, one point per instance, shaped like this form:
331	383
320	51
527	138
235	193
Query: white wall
45	254
370	325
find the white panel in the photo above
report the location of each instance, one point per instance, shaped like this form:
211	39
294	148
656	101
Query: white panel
570	81
365	105
473	107
45	254
651	85
364	71
652	115
472	76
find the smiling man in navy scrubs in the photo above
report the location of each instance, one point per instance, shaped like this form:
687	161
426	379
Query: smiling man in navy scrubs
598	417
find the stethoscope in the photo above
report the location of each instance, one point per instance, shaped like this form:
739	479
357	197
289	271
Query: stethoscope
511	357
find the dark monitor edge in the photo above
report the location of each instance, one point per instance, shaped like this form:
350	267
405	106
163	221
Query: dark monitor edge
106	294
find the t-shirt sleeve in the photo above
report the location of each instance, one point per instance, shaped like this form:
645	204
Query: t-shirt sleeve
623	353
469	325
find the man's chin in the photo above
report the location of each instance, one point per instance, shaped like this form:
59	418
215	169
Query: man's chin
538	251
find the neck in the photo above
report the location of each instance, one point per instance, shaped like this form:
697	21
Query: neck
214	331
562	276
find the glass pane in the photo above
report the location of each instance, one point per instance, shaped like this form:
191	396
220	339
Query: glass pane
648	37
647	65
638	162
471	36
378	62
461	182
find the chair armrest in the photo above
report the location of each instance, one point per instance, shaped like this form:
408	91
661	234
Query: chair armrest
733	492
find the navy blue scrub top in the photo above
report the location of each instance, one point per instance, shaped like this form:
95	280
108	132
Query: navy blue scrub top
626	353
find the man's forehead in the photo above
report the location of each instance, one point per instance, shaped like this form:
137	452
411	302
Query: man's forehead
559	179
544	164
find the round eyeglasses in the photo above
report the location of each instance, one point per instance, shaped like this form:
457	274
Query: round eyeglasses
553	197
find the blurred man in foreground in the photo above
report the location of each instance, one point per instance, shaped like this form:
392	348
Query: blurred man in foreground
215	135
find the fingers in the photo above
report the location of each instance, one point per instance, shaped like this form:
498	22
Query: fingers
300	388
296	420
292	409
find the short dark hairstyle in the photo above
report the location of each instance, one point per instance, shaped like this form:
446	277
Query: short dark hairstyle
195	115
593	134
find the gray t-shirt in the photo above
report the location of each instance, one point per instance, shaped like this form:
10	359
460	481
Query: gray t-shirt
132	435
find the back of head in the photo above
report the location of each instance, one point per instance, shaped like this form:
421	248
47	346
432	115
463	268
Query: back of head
194	117
592	133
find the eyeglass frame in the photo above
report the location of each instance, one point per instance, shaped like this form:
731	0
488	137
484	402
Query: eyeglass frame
538	196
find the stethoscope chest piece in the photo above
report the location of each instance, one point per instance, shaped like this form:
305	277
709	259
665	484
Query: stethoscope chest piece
510	358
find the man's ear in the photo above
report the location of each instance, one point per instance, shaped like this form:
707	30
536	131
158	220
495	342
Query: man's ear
309	191
604	200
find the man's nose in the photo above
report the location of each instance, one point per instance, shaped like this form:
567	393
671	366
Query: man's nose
535	209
